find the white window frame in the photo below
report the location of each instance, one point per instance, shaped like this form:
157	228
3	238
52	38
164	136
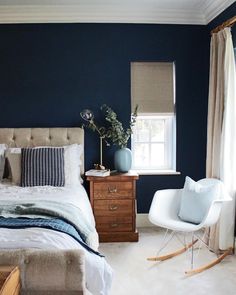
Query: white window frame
169	166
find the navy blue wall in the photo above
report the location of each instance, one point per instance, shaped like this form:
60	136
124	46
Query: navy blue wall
50	72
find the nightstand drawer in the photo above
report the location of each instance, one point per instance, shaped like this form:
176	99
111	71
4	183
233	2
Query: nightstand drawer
114	224
113	200
113	207
114	227
103	190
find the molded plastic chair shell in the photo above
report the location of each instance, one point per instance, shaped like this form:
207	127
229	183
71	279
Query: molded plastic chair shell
166	203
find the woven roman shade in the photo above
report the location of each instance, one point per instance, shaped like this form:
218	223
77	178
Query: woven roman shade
152	87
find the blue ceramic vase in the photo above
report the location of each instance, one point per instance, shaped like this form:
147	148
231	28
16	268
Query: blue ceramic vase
123	160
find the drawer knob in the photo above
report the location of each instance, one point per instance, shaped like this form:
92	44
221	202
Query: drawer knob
113	207
112	189
114	225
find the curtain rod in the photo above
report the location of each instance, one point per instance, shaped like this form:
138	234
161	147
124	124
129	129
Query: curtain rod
229	23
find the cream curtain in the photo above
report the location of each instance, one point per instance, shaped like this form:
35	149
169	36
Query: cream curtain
221	131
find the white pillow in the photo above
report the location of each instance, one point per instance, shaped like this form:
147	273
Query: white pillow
3	147
13	155
72	155
196	200
2	159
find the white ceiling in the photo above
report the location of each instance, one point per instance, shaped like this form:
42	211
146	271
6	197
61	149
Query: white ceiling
112	11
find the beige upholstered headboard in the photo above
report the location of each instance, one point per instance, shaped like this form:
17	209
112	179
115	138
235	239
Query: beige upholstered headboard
30	137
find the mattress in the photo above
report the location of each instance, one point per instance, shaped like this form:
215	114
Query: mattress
98	272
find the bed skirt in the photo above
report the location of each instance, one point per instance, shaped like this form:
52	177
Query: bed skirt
48	272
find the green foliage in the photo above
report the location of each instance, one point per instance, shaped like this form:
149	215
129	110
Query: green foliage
114	132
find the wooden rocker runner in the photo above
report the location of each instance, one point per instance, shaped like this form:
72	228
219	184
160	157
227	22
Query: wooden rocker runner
173	254
164	212
184	249
211	264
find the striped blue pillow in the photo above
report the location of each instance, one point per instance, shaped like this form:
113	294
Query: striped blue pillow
42	166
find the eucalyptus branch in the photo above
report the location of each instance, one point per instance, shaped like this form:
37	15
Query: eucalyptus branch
114	132
100	130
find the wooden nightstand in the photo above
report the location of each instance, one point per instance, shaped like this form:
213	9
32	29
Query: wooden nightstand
113	199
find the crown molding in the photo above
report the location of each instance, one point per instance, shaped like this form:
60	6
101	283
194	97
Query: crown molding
84	13
214	7
96	14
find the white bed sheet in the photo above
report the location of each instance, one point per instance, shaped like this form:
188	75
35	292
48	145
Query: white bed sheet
98	273
75	195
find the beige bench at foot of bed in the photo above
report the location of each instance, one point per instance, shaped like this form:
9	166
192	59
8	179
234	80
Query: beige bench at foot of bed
48	272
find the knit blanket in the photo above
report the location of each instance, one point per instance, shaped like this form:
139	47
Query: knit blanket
49	223
68	213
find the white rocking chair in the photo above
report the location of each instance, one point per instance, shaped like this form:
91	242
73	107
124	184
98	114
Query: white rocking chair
164	213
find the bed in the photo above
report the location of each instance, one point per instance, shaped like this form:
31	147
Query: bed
51	260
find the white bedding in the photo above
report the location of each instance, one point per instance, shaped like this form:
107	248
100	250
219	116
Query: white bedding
97	271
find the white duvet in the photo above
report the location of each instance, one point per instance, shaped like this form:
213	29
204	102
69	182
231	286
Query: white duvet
98	273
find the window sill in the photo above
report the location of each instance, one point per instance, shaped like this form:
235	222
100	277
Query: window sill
157	172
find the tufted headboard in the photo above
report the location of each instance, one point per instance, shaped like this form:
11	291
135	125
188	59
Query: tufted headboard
30	137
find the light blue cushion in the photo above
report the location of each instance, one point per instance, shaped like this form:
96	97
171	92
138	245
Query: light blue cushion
196	200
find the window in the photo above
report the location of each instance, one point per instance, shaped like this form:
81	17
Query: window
153	139
152	142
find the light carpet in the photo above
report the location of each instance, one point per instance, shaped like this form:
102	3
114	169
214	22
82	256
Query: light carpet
133	274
